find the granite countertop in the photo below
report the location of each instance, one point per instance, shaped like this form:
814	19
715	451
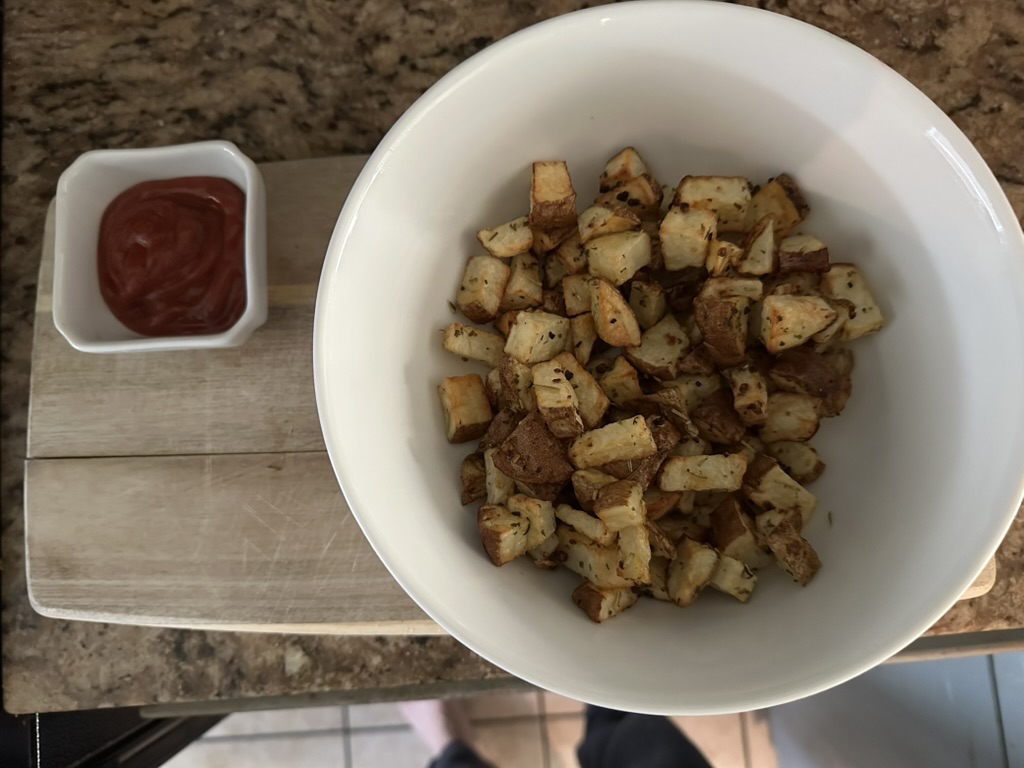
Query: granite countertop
290	80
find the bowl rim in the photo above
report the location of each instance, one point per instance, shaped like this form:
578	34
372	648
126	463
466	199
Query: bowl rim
994	197
255	312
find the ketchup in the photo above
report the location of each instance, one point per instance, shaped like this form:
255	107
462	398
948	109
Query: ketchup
171	256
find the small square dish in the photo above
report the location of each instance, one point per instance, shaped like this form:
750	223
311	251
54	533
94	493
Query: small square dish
102	291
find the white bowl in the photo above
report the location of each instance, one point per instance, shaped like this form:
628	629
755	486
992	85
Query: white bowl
85	190
925	466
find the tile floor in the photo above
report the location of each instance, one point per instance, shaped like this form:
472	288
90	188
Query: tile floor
523	730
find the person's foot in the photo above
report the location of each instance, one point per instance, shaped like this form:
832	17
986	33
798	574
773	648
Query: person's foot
438	722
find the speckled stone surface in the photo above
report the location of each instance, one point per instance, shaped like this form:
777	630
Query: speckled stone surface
294	79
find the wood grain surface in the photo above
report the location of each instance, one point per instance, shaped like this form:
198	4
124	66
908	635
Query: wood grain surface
191	489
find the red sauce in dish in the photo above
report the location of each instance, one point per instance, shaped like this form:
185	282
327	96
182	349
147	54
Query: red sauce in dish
171	256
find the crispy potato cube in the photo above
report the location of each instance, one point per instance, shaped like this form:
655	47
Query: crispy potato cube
617	257
503	533
789	321
723	325
582	336
614	321
845	281
482	287
576	292
602	603
507	240
669	403
684	237
658	588
569	254
473	477
493	386
661	349
643	471
690	570
793	552
659	503
532	455
543	491
517	385
717	421
524	289
803	253
676	526
537	336
554	302
692	446
473	344
584	522
781	199
800	460
733	533
556	399
717	472
790	417
697	389
504	322
635	547
721	255
585	484
547	556
554	273
732	287
618	441
552	197
662	545
727	196
640	194
467	412
749	394
759	255
502	425
626	165
540	514
499	486
805	372
600	220
647	300
545	241
598	565
698	361
620	505
591	399
621	383
768	486
733	577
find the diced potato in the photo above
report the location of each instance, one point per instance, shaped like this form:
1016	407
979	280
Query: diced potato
733	532
727	196
482	287
542	491
617	257
749	394
698	361
582	336
504	322
537	336
503	533
576	291
661	349
662	545
507	240
733	577
676	526
803	253
499	486
620	505
759	256
723	324
721	255
717	421
717	472
556	398
793	552
602	603
473	344
781	199
659	503
467	412
600	220
554	273
640	194
547	240
647	300
598	565
503	424
800	460
622	383
472	475
618	441
733	287
532	455
669	403
626	165
643	471
696	389
790	417
552	197
590	526
684	237
845	281
517	385
540	514
591	399
493	386
794	284
770	488
690	571
789	321
524	289
554	302
547	555
613	319
805	372
585	484
635	547
569	254
694	446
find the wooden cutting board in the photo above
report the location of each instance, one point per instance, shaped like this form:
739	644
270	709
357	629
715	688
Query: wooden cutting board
192	489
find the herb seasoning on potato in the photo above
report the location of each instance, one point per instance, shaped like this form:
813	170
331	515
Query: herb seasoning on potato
653	372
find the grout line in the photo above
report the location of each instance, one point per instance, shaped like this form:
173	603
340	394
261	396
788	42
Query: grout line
999	709
346	737
745	733
542	724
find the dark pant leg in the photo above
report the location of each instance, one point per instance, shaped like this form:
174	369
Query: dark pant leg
625	740
459	755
